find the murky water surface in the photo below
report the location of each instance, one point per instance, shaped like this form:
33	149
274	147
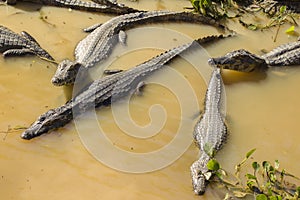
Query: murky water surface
262	111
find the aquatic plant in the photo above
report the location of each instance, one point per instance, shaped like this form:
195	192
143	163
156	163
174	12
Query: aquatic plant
221	8
213	8
266	182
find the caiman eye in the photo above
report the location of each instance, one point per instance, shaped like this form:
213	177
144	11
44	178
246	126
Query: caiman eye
42	118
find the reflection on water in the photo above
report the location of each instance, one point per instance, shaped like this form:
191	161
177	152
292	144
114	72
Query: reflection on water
262	109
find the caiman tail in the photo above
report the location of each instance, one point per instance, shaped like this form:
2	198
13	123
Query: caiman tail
13	44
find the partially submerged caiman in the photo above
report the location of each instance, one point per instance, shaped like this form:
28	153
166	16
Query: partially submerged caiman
98	45
13	44
104	6
210	132
244	61
102	91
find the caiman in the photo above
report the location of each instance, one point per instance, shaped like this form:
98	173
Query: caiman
103	6
98	45
244	61
102	91
210	132
13	44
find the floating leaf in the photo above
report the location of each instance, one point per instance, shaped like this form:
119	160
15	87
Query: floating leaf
297	193
290	30
255	166
273	198
276	164
266	165
250	153
279	197
252	27
250	183
282	9
273	177
250	176
213	165
261	197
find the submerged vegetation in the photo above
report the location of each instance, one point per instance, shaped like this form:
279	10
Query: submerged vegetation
214	8
219	9
266	182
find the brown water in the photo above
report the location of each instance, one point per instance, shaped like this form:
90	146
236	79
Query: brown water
262	111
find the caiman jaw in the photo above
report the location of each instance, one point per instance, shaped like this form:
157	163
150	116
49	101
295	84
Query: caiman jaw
239	60
39	127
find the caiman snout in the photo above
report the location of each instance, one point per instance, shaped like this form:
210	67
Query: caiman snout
66	73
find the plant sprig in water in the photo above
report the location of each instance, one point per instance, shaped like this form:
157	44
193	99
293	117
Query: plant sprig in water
266	182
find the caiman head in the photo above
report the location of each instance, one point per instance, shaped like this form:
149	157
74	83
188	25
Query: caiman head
239	60
66	73
39	127
200	174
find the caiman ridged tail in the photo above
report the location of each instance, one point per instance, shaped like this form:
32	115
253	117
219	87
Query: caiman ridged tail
111	8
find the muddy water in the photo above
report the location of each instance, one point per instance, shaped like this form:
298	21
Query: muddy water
262	112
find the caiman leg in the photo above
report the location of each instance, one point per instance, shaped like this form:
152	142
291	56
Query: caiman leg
17	52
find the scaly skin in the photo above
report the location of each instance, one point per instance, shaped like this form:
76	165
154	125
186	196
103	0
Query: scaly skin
103	6
244	61
284	55
12	44
102	91
209	131
98	45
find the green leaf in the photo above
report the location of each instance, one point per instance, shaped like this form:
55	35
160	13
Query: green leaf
279	197
298	190
213	165
250	176
276	165
282	9
250	183
255	166
290	30
266	165
195	4
250	153
252	27
261	197
273	198
273	177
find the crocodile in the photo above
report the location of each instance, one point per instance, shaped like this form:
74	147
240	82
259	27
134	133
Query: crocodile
98	45
13	44
104	90
210	132
244	61
103	6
